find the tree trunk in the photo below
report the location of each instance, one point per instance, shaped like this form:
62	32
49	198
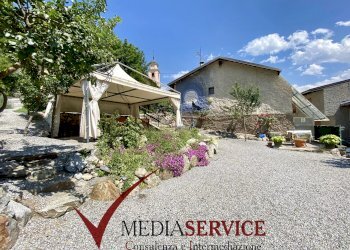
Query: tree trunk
28	123
4	103
245	129
10	70
53	116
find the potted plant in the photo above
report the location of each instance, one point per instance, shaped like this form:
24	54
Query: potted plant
278	140
330	141
299	143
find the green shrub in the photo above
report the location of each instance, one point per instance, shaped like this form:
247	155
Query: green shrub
278	139
123	164
330	140
116	133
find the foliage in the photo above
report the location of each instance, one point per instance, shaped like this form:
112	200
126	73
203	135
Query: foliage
124	164
172	162
114	133
330	139
264	123
247	99
200	153
278	139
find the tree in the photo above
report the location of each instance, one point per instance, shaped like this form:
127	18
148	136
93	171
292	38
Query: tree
246	101
54	43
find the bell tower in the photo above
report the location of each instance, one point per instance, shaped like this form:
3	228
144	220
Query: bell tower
153	72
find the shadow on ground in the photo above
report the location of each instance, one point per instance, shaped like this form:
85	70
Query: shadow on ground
338	163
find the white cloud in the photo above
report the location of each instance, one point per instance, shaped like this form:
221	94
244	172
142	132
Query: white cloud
178	74
342	76
273	59
210	57
298	38
326	33
313	69
323	50
270	44
343	23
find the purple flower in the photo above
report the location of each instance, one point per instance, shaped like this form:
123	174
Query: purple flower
172	162
151	148
200	153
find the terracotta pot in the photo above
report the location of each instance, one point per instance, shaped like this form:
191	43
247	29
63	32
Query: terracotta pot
299	143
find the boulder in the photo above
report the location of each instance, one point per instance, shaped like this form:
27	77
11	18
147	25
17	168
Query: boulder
9	231
166	174
187	164
104	191
41	173
21	213
12	169
152	181
191	141
87	177
4	199
105	168
58	204
56	186
141	172
211	150
335	152
194	161
78	176
73	163
92	159
202	143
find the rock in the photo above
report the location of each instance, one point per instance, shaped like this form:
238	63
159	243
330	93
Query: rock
74	163
184	150
9	231
335	152
211	150
100	163
166	174
105	169
202	143
92	159
136	190
12	169
187	164
58	204
152	181
119	184
142	141
191	141
87	177
56	186
42	173
21	213
4	199
96	152
194	161
105	191
78	176
141	172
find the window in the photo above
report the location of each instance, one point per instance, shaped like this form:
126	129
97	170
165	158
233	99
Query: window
211	91
152	74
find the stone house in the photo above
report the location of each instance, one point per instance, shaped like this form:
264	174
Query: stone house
212	82
334	101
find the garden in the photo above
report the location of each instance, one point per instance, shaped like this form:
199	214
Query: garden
127	151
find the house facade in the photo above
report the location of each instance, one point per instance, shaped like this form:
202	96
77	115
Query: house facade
334	101
214	80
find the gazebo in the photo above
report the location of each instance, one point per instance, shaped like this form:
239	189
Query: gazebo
108	90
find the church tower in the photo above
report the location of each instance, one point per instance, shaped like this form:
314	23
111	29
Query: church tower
153	72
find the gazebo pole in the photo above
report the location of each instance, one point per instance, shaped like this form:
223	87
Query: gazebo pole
87	111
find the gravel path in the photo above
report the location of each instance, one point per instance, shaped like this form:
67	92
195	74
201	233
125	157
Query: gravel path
304	199
14	142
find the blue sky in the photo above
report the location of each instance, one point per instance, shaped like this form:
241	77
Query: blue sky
308	40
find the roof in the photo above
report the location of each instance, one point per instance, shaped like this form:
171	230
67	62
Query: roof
307	107
224	59
124	89
345	103
324	86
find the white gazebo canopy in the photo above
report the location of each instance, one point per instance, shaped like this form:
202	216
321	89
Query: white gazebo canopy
111	91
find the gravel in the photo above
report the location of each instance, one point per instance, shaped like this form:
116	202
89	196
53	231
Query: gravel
304	199
14	142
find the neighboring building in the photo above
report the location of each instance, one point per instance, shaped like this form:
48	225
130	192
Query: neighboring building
153	72
334	101
215	79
